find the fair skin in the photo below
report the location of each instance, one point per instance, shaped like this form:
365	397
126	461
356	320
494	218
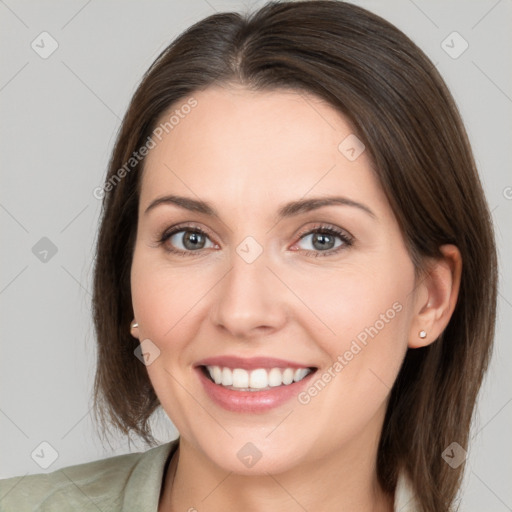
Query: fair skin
247	154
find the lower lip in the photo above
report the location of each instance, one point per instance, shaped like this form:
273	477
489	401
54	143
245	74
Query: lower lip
251	401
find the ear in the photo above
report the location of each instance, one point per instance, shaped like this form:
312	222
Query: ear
436	296
134	329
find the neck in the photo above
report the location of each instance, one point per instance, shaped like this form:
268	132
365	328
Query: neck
345	480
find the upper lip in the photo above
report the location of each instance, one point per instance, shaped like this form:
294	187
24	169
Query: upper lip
250	363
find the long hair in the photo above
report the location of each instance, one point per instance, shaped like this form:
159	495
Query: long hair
401	109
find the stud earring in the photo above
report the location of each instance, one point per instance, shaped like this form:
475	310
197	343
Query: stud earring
134	324
422	334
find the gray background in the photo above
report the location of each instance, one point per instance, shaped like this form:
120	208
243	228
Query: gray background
59	117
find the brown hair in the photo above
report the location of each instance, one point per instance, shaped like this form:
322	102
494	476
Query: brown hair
401	109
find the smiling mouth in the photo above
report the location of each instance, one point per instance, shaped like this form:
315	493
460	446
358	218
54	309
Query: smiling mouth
259	379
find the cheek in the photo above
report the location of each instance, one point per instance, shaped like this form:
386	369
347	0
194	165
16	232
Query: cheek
362	317
349	300
163	296
163	300
364	325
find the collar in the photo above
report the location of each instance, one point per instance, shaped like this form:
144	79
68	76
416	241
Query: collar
405	500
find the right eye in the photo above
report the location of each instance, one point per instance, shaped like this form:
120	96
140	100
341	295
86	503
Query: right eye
182	240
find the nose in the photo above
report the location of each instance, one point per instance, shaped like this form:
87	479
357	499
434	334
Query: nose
249	300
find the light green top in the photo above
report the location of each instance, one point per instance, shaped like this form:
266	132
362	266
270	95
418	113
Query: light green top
124	483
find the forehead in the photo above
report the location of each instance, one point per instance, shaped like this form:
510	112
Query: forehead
269	124
237	144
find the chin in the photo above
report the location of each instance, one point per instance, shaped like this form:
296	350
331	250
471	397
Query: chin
253	455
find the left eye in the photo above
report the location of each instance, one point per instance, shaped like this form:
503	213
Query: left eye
323	240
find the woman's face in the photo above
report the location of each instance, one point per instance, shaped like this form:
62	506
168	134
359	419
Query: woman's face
272	284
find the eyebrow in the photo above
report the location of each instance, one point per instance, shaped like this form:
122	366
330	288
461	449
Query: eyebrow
288	210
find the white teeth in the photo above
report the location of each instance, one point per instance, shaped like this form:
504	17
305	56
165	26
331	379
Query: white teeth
240	378
300	373
288	376
217	375
260	378
227	377
275	377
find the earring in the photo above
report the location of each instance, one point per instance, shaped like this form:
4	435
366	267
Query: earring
134	324
422	334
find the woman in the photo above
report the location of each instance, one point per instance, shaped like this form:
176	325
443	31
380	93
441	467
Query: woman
297	382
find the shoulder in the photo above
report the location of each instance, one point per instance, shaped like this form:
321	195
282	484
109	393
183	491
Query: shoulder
99	485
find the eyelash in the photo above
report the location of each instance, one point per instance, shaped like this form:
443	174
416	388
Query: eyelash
326	229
